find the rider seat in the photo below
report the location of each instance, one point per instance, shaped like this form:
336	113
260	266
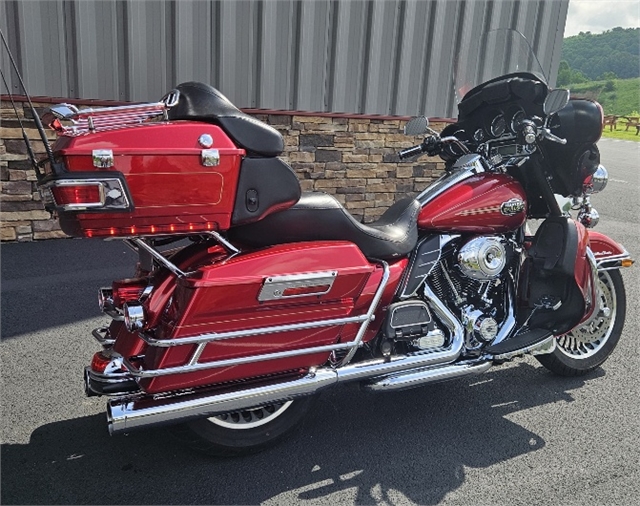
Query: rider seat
318	216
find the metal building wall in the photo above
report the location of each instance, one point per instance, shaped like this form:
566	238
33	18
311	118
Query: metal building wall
375	57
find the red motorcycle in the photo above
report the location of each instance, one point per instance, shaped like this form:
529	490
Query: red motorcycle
280	294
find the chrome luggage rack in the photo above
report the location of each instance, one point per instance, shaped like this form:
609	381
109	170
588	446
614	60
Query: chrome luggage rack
83	121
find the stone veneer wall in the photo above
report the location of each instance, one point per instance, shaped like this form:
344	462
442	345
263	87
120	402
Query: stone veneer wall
351	157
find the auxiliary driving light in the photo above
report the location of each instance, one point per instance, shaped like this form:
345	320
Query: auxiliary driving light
133	316
598	181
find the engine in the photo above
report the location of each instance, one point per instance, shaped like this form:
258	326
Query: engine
469	276
471	279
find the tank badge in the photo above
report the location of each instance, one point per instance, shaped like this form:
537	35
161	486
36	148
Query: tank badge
512	207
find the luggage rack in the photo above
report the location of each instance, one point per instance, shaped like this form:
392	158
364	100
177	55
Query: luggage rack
84	121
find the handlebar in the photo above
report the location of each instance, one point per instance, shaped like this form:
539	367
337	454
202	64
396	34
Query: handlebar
432	146
411	152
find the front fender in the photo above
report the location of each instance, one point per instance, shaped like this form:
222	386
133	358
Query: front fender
608	253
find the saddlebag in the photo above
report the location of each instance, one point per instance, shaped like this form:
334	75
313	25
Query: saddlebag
257	314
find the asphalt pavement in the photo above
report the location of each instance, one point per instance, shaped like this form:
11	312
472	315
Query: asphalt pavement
515	435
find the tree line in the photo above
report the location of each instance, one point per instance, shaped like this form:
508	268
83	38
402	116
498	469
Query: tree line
609	55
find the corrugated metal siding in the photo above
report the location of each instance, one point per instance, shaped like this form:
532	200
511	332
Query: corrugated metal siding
373	57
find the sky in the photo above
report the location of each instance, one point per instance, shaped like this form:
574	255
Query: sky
596	16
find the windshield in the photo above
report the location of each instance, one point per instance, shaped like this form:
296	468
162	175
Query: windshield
498	52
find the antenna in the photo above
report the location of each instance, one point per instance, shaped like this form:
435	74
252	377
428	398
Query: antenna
36	118
32	156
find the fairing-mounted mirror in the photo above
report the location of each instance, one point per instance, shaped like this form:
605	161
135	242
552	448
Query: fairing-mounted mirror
418	125
555	101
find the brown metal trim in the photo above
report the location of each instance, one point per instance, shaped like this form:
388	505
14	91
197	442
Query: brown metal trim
269	112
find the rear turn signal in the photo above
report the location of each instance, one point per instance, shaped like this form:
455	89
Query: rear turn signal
133	316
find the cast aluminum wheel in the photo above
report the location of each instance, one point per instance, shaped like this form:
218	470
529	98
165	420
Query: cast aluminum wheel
593	335
587	347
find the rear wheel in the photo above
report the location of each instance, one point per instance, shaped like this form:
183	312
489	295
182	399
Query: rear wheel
243	432
587	347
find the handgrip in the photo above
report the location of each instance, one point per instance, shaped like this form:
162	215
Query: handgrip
411	152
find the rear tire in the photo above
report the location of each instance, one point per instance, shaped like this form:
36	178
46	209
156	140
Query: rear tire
585	348
244	432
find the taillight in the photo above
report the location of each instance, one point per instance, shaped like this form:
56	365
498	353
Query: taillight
99	362
127	290
78	196
87	194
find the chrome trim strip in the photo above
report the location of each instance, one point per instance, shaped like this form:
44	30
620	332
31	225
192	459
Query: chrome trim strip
275	287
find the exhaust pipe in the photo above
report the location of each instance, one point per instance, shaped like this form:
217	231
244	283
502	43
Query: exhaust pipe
421	377
128	413
124	415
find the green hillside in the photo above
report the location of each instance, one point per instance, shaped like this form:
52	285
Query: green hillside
613	53
617	96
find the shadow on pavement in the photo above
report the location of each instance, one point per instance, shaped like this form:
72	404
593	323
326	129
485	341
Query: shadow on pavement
415	443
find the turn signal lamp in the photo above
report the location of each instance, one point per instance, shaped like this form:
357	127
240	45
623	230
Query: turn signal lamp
99	362
134	318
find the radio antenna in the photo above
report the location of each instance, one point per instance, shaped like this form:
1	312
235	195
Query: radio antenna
32	156
36	118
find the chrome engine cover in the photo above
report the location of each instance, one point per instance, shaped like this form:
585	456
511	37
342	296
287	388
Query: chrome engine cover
483	258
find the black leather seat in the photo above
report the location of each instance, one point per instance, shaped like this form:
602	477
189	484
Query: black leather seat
320	217
201	102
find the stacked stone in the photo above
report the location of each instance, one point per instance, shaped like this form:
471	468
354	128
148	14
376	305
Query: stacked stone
353	158
23	215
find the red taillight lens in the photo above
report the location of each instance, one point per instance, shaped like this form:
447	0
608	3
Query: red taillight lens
127	290
80	195
99	362
299	291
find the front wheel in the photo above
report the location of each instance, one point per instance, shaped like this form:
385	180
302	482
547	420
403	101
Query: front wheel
587	347
243	432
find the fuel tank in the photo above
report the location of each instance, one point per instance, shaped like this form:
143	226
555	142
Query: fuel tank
482	204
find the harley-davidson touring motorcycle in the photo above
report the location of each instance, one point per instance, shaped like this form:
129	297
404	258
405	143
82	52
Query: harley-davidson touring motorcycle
250	297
